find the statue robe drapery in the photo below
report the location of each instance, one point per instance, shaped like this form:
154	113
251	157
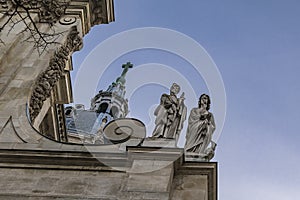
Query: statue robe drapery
199	132
170	115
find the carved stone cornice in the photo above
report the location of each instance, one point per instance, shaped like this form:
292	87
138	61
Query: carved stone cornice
92	12
47	79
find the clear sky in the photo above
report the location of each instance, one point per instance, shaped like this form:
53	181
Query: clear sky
256	46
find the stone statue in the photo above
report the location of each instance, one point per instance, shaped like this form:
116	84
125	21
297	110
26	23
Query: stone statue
209	153
170	115
201	126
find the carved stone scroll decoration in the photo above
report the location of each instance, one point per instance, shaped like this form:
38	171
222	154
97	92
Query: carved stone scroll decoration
67	20
47	79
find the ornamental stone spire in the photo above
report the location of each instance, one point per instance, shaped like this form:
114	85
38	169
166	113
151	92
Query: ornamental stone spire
112	104
118	87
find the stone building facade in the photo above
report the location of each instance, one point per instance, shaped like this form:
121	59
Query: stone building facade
36	160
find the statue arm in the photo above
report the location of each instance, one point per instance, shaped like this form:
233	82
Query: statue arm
193	122
183	113
161	115
194	117
160	107
211	122
164	101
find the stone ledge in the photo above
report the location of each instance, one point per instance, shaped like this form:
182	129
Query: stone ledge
14	196
159	142
68	160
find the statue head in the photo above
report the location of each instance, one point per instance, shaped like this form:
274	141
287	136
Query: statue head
175	88
204	100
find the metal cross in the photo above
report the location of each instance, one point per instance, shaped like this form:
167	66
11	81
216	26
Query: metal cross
126	67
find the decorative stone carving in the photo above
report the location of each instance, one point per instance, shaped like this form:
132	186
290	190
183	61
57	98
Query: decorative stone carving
47	79
66	12
170	114
67	20
3	4
209	153
31	14
124	130
97	11
201	126
61	123
49	11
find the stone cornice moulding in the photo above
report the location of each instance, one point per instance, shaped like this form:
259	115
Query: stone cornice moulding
91	12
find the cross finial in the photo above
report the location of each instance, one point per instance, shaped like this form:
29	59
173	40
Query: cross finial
126	66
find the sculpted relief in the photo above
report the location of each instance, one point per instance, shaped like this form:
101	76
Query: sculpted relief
46	80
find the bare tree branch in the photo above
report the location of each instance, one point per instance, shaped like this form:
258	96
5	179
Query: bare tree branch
14	23
9	19
22	11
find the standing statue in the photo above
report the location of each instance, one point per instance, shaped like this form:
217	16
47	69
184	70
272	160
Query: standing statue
170	114
201	126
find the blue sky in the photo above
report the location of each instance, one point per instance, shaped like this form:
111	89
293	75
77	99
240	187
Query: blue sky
255	45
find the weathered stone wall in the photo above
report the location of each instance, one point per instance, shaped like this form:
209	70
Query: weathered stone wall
190	187
107	173
59	184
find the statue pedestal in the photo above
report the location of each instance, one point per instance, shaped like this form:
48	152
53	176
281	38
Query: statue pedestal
195	157
159	142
